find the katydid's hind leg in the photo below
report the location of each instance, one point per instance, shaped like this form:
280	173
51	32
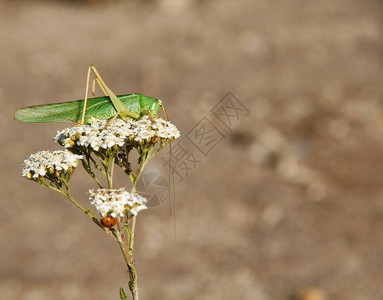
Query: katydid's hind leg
101	83
86	97
94	87
96	80
121	111
118	105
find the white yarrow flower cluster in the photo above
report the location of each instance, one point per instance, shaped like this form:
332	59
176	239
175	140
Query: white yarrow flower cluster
103	135
113	202
97	135
146	129
48	162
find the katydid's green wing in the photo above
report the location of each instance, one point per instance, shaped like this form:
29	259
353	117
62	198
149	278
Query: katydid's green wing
97	108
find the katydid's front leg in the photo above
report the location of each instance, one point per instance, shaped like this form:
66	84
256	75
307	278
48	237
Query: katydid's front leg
86	97
145	112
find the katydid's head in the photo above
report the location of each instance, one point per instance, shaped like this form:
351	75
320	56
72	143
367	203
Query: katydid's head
155	106
150	105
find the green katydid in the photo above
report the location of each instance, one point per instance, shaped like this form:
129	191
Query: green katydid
89	110
109	107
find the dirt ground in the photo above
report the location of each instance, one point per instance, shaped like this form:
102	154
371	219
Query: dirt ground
285	203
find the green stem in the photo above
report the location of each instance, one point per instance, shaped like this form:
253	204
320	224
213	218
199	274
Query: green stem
130	230
125	239
131	236
132	177
91	173
124	251
162	146
78	205
111	168
144	160
88	212
96	165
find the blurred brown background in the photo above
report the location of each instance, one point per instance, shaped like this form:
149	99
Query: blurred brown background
289	205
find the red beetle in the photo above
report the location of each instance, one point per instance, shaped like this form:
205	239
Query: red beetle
108	222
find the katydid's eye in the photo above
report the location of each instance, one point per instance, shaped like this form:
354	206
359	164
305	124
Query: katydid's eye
108	222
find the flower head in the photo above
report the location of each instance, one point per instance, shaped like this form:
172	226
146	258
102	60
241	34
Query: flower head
50	165
95	136
113	202
102	135
150	130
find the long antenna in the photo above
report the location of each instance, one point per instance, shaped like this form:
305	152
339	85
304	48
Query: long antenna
172	189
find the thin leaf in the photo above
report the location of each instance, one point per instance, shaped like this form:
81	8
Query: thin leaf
123	295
